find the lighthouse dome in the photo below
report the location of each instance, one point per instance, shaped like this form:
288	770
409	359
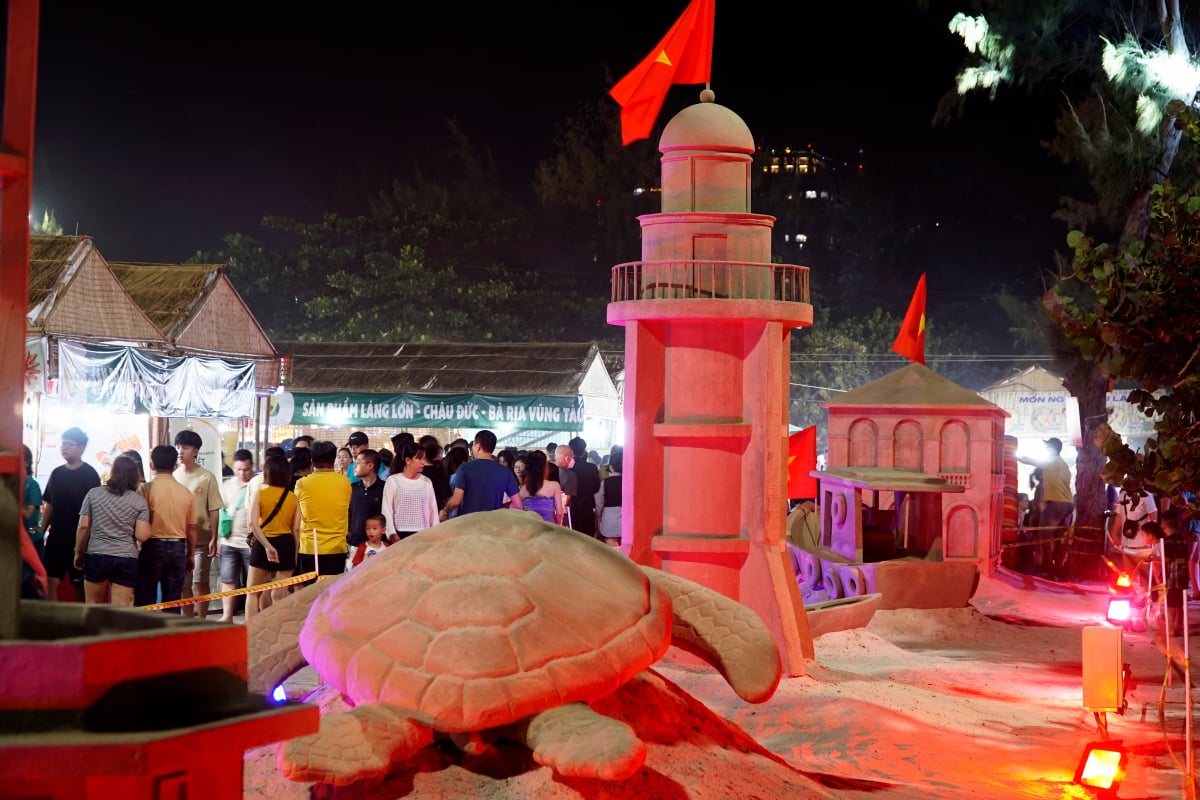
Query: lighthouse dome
706	126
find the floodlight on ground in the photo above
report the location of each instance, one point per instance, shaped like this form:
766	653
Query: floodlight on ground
1120	610
1102	767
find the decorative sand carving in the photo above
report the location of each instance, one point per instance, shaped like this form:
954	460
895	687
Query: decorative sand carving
495	626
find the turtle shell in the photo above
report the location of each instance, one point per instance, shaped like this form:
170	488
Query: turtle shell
487	619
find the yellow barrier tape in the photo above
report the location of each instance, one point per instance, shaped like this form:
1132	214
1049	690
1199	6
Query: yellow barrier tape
262	587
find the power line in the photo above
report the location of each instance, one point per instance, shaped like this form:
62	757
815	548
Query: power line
822	388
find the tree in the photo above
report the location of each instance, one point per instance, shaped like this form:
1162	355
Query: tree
47	225
1119	71
595	187
1141	321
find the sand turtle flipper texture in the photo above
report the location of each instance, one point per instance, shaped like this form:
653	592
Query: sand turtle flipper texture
575	741
274	636
724	633
361	744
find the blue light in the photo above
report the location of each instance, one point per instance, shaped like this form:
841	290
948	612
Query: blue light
278	695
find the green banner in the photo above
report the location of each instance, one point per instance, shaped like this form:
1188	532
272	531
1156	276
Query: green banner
532	412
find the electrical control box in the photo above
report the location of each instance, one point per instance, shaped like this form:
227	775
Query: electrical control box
1103	668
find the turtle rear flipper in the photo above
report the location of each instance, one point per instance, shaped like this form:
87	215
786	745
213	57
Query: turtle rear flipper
361	744
575	741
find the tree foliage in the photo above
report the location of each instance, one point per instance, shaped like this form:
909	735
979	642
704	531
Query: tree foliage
1136	313
451	258
588	187
47	225
1119	68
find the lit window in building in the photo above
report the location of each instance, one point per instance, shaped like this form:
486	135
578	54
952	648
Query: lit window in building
775	160
801	237
638	191
789	197
789	166
810	194
774	169
802	169
824	195
787	237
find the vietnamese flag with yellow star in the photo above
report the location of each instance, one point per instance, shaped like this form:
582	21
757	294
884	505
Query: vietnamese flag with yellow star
910	342
802	460
683	56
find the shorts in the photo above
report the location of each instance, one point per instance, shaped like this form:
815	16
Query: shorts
98	568
325	564
59	559
202	571
285	547
234	561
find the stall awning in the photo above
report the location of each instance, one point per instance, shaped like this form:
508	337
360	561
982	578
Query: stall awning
125	379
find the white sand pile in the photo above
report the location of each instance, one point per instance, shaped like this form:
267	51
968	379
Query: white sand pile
691	753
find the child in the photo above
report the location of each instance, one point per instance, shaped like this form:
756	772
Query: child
376	541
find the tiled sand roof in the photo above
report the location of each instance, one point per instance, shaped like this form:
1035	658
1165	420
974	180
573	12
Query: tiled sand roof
914	385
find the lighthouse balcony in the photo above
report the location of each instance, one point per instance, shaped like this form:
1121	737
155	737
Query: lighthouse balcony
710	289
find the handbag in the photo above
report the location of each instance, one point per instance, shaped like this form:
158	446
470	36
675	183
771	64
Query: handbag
225	522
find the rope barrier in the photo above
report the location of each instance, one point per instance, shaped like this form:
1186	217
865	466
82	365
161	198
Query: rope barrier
261	587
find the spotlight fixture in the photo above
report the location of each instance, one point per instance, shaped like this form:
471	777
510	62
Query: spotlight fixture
1102	767
1120	610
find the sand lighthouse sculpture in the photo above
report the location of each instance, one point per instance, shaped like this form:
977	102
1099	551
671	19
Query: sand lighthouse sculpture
708	321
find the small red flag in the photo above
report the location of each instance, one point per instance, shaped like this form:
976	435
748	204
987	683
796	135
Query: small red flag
683	56
802	459
910	342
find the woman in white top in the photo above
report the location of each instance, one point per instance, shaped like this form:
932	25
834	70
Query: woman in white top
409	503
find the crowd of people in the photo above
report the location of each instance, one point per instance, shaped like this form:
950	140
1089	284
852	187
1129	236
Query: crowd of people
317	510
1145	536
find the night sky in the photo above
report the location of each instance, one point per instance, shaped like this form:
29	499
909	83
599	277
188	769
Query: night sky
161	127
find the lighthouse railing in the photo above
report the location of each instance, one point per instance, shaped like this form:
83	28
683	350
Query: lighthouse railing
694	280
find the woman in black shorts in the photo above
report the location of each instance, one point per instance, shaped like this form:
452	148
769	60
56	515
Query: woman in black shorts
112	520
275	527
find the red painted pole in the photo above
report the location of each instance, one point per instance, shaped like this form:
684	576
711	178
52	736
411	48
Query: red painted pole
16	186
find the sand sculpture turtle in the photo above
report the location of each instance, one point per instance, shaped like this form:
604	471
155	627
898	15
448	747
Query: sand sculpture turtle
490	626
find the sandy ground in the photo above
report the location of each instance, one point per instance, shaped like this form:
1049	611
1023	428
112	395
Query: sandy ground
983	701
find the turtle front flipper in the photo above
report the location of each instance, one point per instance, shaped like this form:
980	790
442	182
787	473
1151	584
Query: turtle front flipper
575	741
724	633
363	743
274	637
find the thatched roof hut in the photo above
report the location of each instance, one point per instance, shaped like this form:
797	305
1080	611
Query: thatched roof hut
73	294
198	311
196	308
